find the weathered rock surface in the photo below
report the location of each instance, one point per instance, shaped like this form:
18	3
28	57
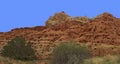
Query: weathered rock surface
101	34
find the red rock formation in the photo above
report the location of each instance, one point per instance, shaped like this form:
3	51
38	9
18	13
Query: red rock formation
101	34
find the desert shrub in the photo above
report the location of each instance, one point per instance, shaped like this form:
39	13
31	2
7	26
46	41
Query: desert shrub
70	53
17	48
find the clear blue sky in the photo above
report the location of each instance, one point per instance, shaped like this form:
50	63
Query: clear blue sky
26	13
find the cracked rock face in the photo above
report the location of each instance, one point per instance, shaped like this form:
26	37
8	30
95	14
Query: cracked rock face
101	34
62	17
105	17
57	18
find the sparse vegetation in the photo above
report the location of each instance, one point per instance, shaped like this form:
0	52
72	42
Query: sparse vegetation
65	53
6	60
70	53
18	49
103	60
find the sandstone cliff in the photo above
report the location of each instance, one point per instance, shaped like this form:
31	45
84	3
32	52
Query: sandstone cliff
101	34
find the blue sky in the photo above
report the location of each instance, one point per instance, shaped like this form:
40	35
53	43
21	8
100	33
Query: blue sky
28	13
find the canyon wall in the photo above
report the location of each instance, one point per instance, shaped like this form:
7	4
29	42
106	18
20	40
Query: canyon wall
101	34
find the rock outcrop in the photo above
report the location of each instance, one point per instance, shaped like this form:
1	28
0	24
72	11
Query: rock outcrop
101	34
57	18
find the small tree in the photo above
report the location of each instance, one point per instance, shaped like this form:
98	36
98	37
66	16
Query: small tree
17	48
70	53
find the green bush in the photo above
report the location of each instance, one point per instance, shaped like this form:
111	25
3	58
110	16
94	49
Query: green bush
17	48
70	53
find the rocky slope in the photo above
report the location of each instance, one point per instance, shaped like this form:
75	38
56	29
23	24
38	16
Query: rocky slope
101	34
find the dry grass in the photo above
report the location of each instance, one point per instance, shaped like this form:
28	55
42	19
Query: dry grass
96	60
103	60
4	60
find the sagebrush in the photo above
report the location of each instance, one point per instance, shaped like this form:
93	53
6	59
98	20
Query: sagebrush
17	48
70	53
